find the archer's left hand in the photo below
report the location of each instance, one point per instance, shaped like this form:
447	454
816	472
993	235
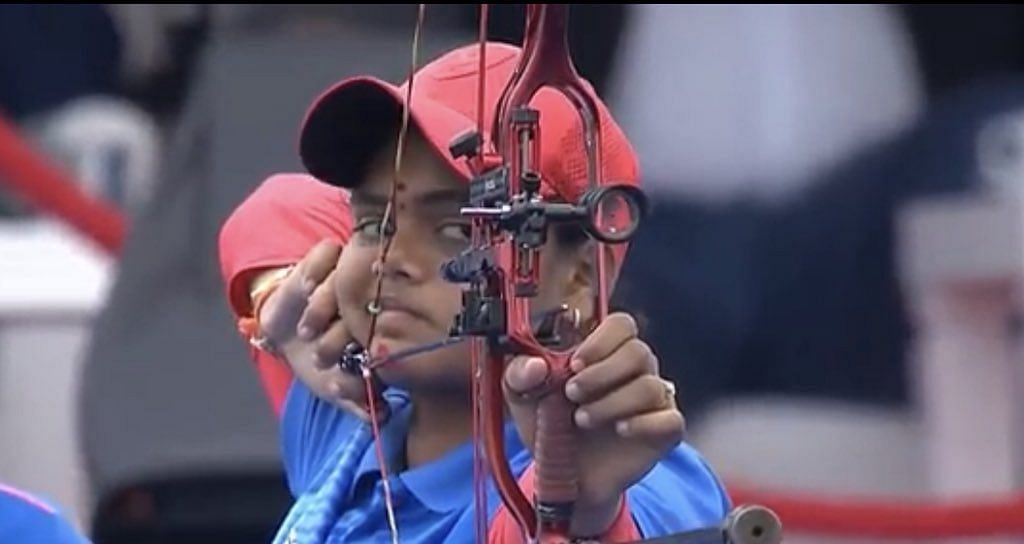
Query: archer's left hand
625	412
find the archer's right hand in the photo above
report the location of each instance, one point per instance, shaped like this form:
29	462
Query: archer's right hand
300	320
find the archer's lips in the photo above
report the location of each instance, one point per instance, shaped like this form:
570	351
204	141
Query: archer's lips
393	306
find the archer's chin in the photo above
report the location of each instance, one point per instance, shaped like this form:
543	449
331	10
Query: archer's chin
442	371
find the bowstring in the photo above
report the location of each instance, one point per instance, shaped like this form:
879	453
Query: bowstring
480	472
390	227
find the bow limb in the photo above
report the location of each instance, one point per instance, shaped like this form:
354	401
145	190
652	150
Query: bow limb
547	62
499	297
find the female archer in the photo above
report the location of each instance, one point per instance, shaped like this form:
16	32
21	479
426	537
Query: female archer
304	299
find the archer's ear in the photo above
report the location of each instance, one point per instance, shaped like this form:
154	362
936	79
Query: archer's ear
581	286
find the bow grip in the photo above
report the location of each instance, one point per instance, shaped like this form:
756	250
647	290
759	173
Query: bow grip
556	450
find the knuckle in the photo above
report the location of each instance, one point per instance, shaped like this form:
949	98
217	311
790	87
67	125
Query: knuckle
674	428
320	296
320	349
321	292
583	386
654	387
328	347
314	315
319	313
326	350
322	249
640	354
678	425
652	360
627	322
342	387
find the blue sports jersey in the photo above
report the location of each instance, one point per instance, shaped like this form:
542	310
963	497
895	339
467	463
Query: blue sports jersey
26	519
332	471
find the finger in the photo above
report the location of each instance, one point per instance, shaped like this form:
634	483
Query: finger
283	308
321	310
348	383
524	382
614	331
349	392
318	263
660	430
525	376
331	345
346	387
645	394
632	360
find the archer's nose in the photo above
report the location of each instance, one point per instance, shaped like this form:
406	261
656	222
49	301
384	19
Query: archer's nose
407	257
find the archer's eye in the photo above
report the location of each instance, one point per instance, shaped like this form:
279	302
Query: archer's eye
456	232
368	229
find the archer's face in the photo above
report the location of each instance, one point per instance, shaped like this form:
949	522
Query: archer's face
418	305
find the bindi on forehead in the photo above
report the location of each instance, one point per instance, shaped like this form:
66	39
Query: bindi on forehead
400	191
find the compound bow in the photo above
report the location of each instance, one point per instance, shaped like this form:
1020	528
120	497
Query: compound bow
510	220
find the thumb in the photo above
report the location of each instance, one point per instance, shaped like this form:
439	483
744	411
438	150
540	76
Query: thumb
525	383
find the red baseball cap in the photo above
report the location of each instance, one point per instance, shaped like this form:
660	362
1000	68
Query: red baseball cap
349	122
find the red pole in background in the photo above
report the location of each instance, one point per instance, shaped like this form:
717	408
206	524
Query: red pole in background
888	518
52	191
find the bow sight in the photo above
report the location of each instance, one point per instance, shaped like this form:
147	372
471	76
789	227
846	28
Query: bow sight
609	214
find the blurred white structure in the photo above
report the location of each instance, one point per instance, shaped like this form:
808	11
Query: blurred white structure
737	101
963	269
964	264
52	282
110	145
961	260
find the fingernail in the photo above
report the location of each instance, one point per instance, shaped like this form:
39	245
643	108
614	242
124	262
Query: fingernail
306	332
308	286
576	365
572	392
622	428
582	418
541	367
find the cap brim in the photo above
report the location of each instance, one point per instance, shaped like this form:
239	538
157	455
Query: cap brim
353	120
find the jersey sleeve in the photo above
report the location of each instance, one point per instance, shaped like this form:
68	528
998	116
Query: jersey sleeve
681	493
276	226
311	429
24	517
